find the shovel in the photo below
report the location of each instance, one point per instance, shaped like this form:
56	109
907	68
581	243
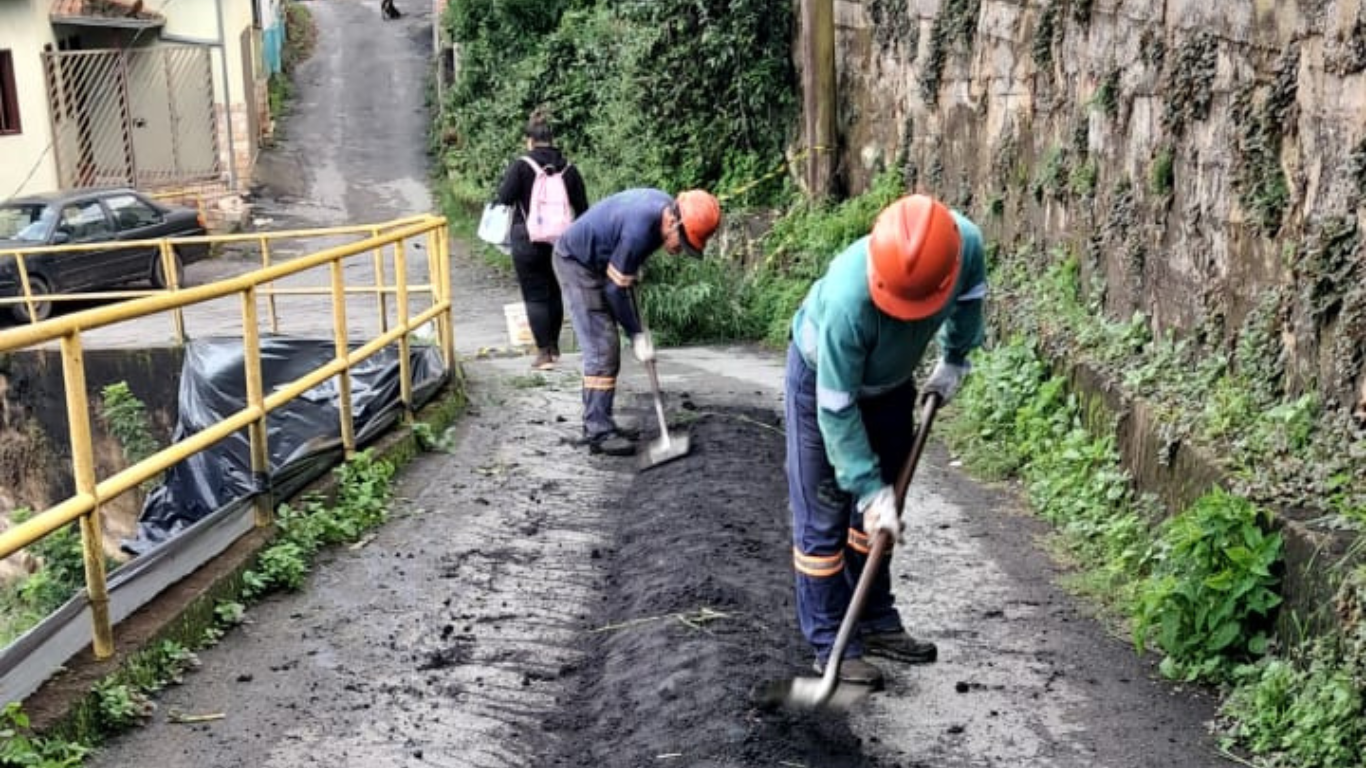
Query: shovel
668	446
825	692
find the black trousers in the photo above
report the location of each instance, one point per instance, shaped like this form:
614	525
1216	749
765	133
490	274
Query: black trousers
540	290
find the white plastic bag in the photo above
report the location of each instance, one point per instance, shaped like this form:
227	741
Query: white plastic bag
495	225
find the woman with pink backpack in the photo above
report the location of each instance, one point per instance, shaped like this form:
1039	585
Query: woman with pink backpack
546	193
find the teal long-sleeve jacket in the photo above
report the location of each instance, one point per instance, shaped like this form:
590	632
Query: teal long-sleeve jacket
857	351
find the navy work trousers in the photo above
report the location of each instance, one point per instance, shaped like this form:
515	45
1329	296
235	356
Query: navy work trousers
829	546
596	330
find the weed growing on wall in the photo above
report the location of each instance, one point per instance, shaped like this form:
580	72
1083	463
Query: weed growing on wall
1161	172
1259	178
1046	32
126	418
1188	85
954	27
1106	97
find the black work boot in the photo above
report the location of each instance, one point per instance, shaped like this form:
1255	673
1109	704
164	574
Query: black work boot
856	671
613	444
899	646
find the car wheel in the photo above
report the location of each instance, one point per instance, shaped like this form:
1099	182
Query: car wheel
159	272
42	310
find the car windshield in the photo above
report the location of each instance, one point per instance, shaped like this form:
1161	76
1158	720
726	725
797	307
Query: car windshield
26	221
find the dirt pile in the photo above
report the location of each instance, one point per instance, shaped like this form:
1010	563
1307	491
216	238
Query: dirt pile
698	608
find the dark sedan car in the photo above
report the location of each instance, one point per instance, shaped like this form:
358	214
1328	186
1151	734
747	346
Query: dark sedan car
91	216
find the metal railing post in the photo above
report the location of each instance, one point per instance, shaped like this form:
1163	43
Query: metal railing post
270	298
264	501
381	298
447	325
23	283
348	427
405	367
433	268
83	470
169	274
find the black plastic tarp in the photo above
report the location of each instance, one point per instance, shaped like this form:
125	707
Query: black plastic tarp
304	434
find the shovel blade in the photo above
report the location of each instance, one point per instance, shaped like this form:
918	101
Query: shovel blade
808	694
669	446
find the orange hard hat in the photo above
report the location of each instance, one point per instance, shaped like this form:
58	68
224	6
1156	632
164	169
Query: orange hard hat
699	214
914	256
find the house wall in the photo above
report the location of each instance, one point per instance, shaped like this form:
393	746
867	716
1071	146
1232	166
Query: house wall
24	30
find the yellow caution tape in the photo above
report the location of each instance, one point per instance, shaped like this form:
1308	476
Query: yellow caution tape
778	170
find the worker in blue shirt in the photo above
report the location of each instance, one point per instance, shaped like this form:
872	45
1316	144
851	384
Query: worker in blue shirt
598	261
851	399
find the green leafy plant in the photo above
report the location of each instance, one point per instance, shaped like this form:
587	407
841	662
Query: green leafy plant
1161	173
1313	715
1212	587
121	706
710	83
125	416
362	501
21	748
59	575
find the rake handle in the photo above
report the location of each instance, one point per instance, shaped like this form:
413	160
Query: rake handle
875	553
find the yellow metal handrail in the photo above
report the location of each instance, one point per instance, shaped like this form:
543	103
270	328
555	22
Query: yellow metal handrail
91	493
166	253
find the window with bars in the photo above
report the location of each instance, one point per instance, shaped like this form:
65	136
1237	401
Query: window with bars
9	96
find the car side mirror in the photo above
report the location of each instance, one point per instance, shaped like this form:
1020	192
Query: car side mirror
61	238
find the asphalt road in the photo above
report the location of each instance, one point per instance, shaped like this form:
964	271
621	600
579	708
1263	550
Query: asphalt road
463	632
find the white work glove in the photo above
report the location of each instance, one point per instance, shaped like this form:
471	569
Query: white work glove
643	347
879	513
945	380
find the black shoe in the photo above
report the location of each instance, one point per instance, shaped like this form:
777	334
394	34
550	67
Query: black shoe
613	444
899	646
856	671
544	361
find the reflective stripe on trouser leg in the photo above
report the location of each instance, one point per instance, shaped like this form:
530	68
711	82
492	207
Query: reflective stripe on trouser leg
597	335
821	516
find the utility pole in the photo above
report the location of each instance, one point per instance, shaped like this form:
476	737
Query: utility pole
818	91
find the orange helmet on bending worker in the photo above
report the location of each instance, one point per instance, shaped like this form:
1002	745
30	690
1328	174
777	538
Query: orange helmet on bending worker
699	214
914	256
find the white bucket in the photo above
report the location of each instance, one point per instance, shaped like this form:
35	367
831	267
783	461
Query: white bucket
519	330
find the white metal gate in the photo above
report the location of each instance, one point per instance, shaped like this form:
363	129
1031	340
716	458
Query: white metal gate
141	117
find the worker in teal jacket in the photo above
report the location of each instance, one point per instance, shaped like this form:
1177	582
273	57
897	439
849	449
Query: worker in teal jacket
851	399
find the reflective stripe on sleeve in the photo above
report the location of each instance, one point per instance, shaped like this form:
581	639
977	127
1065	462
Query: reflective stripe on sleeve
974	293
618	278
832	400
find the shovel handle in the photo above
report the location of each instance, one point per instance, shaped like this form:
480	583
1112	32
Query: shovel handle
875	553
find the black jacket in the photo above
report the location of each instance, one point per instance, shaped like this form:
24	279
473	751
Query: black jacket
515	190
